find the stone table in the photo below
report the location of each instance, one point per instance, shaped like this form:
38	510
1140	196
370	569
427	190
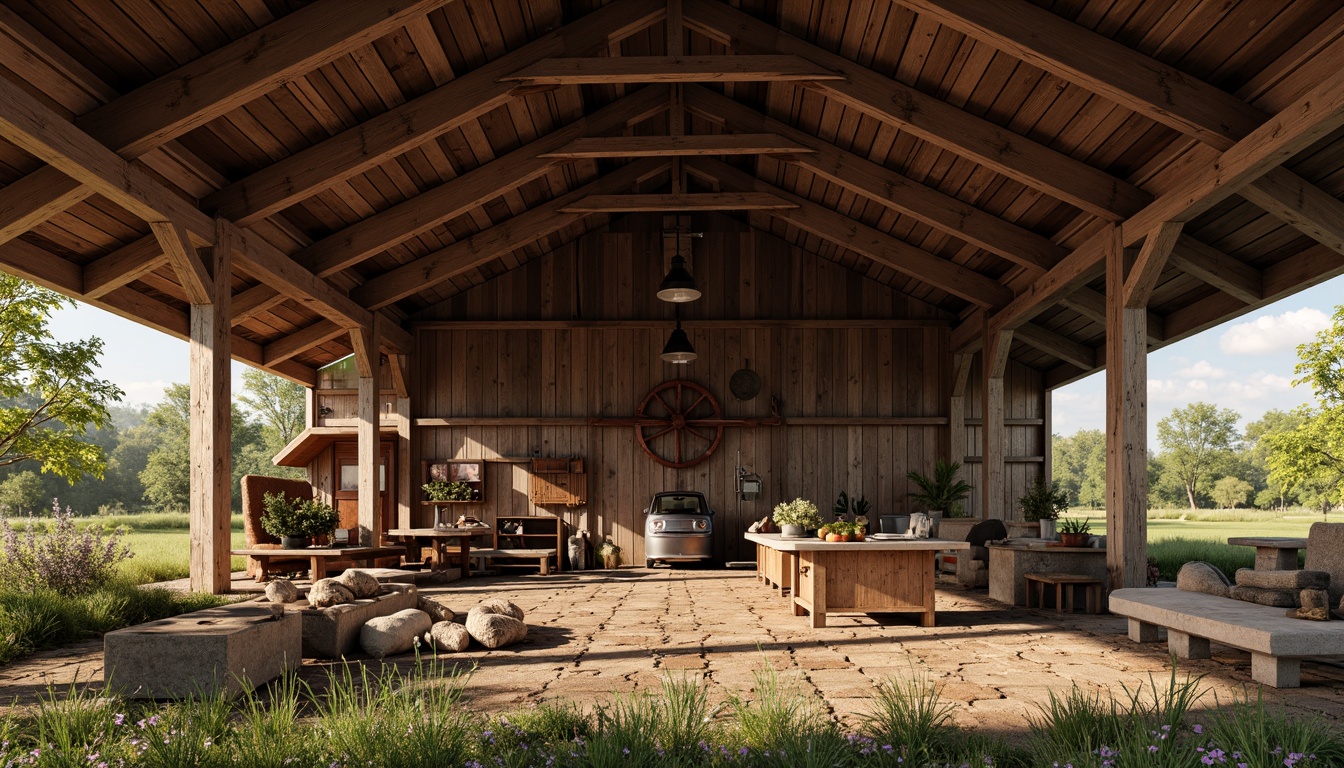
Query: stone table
1272	553
1010	563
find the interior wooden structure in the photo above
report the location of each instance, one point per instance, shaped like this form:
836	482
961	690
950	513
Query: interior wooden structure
912	219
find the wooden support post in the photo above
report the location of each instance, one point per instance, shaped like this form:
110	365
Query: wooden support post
211	469
400	368
365	343
994	360
1129	282
956	411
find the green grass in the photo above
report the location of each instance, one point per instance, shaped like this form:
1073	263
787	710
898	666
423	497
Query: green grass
1211	525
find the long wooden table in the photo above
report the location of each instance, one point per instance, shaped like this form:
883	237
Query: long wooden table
317	557
859	576
439	539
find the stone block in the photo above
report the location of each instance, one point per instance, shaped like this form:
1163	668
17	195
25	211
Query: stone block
230	648
1325	552
1197	576
1293	579
330	633
1279	598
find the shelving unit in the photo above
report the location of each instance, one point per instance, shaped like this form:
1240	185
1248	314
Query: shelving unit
538	532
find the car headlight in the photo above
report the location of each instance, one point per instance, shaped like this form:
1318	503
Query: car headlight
657	525
702	524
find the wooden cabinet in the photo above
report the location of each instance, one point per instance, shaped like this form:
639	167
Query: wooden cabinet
558	481
527	532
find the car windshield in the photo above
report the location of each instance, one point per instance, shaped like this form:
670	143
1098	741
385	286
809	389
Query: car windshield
680	504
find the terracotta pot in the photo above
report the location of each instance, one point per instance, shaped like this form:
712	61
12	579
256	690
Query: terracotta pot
1074	539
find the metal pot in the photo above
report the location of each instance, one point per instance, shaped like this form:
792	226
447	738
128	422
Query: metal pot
294	542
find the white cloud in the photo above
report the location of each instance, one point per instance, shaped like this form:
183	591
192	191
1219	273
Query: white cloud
1274	333
1202	370
143	392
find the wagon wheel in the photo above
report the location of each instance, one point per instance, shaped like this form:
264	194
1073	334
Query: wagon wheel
683	420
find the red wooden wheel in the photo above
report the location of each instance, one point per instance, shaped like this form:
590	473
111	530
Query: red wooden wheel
679	424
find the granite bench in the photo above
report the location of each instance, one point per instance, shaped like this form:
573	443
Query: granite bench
1277	643
226	649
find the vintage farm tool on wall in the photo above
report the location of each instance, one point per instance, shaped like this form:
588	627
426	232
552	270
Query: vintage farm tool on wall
679	423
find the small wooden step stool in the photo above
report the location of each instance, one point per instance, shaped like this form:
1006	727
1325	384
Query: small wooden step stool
1061	580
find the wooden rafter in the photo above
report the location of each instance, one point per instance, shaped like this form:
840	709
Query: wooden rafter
685	201
931	119
401	222
1232	276
887	187
422	119
530	226
879	246
123	266
1058	345
1148	265
1311	210
301	340
190	268
35	198
670	69
679	146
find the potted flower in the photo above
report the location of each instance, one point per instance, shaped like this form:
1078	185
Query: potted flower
295	521
1074	531
795	517
610	554
1042	504
941	494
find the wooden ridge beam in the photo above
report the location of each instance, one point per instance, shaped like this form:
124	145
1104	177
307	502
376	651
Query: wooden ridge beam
123	266
1305	206
300	341
670	69
678	146
1230	275
879	246
1058	345
685	201
422	119
931	119
505	237
887	187
423	212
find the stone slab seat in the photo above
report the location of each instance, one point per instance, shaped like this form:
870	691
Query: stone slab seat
1276	642
330	633
229	648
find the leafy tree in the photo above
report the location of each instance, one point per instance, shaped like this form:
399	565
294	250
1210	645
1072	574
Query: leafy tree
49	396
1079	464
1271	490
281	407
22	493
1196	438
1228	492
167	473
1310	457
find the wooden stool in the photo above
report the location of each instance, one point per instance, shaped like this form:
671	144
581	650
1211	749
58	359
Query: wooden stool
1060	580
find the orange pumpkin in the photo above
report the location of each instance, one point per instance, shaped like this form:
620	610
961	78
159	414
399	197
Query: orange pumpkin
822	531
833	537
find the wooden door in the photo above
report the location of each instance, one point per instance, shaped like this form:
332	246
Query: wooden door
346	494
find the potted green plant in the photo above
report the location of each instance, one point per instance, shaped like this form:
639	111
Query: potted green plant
1042	504
941	494
441	490
1074	531
610	554
794	518
295	521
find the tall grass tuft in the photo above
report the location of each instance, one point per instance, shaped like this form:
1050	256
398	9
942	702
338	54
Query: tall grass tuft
778	712
270	733
1171	554
910	715
194	732
1264	738
68	727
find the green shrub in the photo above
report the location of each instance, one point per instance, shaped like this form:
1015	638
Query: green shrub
59	557
912	717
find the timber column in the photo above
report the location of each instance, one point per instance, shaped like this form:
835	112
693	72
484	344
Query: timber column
367	358
1129	283
994	363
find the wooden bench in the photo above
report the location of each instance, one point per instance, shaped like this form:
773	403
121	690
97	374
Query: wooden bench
543	556
1091	584
1276	642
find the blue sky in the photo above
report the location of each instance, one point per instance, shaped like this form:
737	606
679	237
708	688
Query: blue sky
1245	365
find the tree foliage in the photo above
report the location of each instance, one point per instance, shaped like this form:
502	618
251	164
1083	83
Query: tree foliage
49	395
167	473
1229	492
1195	439
1080	466
1309	458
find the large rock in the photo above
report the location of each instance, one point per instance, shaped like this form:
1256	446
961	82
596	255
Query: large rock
1293	579
448	637
1314	598
1279	598
500	606
494	630
1198	576
436	610
328	592
992	529
361	584
330	633
390	635
282	591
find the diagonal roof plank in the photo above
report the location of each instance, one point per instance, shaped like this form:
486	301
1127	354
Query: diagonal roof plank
429	209
679	146
876	245
764	68
420	120
929	118
890	188
226	78
527	227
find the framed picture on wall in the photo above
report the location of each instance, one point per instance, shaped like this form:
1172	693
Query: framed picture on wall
464	472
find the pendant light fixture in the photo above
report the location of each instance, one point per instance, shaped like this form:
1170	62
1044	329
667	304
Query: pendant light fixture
678	349
678	287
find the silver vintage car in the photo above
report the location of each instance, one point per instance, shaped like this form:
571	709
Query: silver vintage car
678	528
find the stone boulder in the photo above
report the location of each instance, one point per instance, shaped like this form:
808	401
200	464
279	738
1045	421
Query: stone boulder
362	584
1314	599
448	637
1278	598
393	634
328	592
1294	579
1198	576
496	623
282	591
436	610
